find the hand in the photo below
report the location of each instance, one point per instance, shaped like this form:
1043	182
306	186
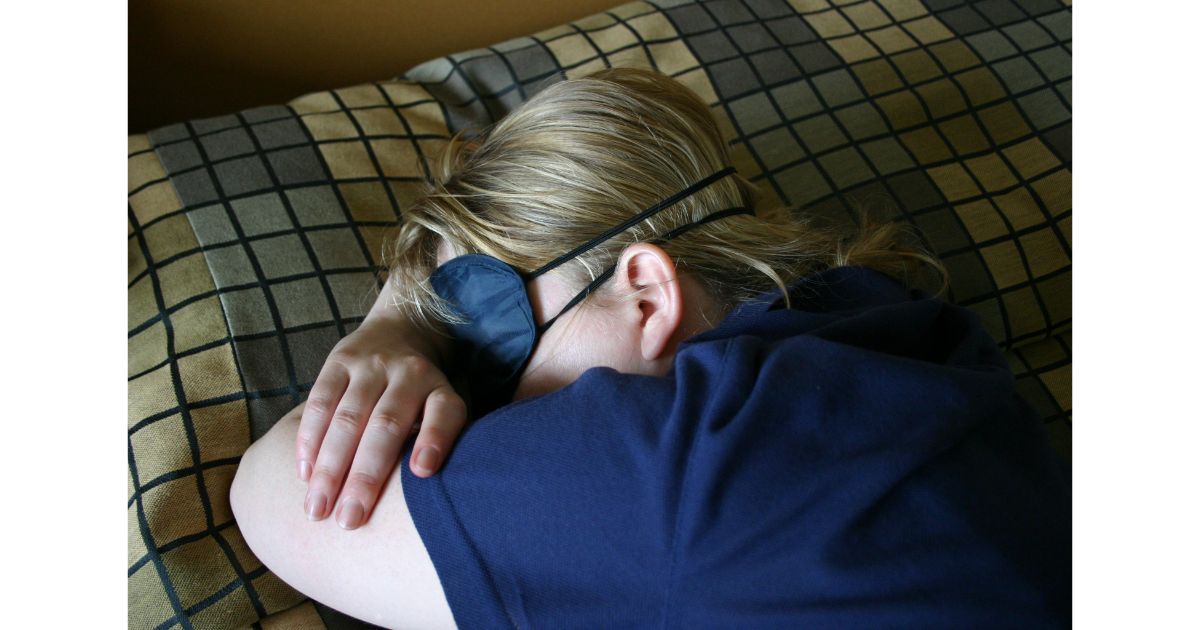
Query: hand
373	387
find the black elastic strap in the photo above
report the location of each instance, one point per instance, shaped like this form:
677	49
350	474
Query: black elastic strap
632	221
608	273
720	214
600	279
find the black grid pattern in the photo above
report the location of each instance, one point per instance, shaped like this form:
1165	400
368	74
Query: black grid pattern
255	238
255	241
895	107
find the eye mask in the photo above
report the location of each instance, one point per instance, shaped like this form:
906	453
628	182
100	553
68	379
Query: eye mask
499	332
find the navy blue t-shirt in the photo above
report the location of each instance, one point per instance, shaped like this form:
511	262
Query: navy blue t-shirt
859	460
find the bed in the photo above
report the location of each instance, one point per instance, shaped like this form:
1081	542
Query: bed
255	238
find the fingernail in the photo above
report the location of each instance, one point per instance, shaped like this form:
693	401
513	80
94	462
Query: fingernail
314	506
350	514
427	459
305	471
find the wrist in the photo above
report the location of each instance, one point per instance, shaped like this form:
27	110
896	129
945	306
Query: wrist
428	340
424	340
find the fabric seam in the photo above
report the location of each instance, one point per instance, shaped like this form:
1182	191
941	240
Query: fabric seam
687	468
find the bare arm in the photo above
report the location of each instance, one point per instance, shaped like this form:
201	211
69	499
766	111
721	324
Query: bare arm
380	573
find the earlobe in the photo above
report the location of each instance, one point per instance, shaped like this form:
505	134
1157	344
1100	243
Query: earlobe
650	272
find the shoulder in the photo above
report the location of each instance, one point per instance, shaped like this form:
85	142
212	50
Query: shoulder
380	572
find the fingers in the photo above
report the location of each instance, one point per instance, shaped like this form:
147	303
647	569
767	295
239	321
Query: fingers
340	441
380	447
322	400
354	427
445	415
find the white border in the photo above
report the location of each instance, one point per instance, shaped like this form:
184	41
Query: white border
1136	315
64	361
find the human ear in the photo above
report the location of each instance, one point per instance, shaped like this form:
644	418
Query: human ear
648	272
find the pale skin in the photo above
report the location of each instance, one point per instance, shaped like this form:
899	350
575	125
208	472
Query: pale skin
388	380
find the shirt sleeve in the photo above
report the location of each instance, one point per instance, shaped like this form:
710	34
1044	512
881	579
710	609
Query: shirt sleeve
550	510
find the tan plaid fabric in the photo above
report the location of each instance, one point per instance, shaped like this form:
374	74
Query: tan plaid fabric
255	238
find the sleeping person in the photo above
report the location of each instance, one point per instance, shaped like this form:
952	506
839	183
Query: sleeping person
643	396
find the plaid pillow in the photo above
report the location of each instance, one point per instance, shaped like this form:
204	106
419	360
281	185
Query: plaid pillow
255	238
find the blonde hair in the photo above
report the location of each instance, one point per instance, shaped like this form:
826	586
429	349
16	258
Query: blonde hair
586	154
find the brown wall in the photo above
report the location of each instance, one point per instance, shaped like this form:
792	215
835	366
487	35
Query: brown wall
193	58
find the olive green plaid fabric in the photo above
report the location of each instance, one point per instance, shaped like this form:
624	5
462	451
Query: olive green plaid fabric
255	238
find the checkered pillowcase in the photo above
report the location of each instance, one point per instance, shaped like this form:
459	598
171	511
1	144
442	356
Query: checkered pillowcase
255	238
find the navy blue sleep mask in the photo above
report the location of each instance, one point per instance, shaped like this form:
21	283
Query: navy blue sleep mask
498	333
